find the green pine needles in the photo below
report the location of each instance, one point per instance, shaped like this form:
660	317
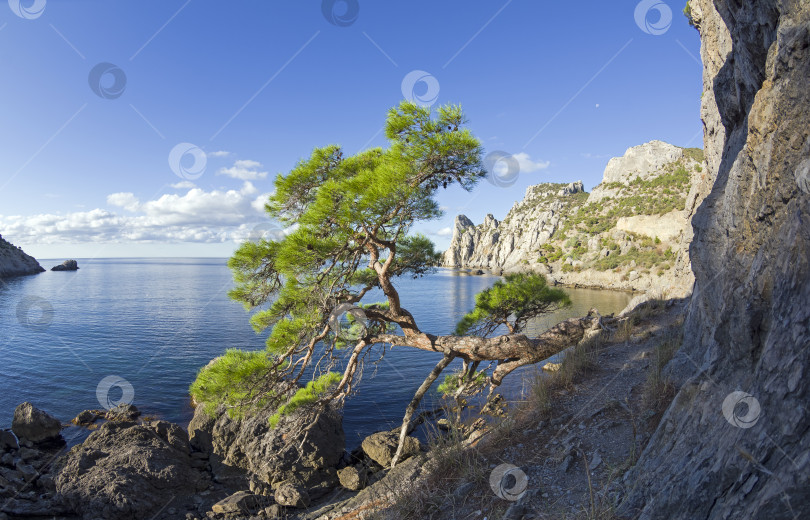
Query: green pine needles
512	303
230	380
306	396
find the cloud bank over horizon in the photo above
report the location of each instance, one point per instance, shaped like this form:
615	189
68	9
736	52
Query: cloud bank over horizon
197	215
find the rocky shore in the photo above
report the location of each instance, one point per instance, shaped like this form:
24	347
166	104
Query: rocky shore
14	261
134	467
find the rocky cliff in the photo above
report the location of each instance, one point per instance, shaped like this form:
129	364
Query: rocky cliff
14	262
734	443
631	232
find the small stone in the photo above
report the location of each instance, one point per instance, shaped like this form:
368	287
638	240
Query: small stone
596	460
86	418
46	483
464	489
12	475
352	478
7	460
515	511
28	454
27	471
240	502
273	511
292	495
566	463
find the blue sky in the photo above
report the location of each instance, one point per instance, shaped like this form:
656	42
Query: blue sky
251	87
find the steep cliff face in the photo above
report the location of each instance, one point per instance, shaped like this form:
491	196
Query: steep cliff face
14	262
631	232
735	443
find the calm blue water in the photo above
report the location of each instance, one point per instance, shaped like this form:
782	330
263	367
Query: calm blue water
155	322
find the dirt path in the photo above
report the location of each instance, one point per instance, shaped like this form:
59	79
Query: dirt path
572	440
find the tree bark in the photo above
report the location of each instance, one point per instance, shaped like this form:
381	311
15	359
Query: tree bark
510	350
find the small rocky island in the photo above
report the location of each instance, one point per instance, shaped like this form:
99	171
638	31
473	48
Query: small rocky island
14	261
67	265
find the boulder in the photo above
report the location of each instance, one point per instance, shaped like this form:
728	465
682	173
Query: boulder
353	478
381	447
67	265
33	424
292	495
129	471
8	441
306	446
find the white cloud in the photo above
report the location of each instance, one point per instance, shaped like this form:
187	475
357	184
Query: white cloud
529	166
183	185
219	153
244	169
123	200
445	232
197	216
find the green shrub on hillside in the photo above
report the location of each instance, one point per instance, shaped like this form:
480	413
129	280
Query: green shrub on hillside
643	258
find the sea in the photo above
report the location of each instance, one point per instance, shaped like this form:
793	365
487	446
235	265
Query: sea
139	329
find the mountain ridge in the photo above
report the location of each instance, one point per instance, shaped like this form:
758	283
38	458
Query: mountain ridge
631	232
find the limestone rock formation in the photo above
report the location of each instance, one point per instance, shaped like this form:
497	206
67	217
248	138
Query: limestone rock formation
734	443
631	232
14	262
